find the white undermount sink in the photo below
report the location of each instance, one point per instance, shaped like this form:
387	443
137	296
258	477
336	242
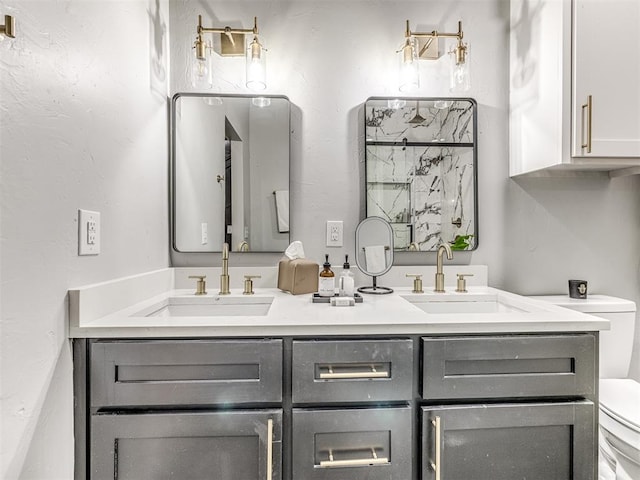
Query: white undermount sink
440	303
208	306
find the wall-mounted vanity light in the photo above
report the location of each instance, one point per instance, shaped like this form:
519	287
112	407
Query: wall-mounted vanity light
424	45
232	43
9	27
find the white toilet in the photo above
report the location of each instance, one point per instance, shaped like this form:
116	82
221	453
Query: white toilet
619	435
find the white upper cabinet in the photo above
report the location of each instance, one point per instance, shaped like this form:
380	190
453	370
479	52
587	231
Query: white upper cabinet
574	87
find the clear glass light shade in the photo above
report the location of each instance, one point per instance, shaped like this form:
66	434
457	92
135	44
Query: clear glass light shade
201	71
409	72
459	78
256	65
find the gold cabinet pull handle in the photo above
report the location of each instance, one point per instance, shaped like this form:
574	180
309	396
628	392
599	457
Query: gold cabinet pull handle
373	373
435	465
589	107
270	449
355	462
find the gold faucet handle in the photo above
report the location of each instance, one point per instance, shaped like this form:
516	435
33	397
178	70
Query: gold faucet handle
417	282
248	284
462	283
201	285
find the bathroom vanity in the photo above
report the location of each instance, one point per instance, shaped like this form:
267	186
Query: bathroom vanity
482	385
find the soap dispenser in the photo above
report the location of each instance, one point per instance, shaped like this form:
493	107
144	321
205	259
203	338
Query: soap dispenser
327	284
346	282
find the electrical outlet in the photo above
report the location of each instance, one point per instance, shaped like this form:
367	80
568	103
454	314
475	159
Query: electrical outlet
334	233
88	232
204	233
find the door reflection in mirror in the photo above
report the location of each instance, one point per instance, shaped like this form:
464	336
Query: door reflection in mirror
229	156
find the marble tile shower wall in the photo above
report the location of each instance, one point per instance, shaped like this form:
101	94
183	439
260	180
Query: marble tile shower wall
421	189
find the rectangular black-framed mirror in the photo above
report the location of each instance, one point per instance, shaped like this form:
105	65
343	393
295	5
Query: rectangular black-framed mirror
421	170
230	172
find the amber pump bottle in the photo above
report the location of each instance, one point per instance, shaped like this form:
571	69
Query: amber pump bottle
327	284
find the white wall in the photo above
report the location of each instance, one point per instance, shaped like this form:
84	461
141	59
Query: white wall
329	56
80	124
80	128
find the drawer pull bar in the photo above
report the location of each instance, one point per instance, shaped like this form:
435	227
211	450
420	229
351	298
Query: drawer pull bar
373	373
435	465
356	462
270	449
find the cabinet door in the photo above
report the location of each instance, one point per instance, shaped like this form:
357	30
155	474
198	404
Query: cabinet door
187	446
535	441
605	42
354	444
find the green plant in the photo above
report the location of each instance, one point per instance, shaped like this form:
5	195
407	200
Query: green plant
461	242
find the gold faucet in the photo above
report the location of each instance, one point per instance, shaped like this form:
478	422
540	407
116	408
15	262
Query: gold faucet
224	278
444	247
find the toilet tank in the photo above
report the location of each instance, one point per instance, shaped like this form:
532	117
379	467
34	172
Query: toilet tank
616	344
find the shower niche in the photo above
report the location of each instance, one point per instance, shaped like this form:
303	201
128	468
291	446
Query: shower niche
421	170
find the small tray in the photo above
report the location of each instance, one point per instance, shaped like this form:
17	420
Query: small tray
318	299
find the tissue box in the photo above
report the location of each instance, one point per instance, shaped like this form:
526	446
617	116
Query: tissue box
298	276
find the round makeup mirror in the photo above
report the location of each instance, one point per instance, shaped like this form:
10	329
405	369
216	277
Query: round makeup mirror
374	251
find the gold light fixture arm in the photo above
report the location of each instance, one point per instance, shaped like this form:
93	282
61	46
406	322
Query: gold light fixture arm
228	34
460	49
9	27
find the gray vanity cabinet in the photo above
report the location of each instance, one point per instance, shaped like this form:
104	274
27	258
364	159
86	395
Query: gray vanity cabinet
506	441
129	373
353	443
413	407
228	445
352	416
181	409
339	371
509	366
507	407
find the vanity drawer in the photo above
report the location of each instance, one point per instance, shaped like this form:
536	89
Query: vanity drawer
515	366
333	371
368	443
185	372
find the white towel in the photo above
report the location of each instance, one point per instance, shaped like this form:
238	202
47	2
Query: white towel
282	210
375	258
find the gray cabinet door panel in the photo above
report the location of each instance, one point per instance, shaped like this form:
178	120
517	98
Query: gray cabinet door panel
185	372
333	371
354	444
537	441
509	366
186	446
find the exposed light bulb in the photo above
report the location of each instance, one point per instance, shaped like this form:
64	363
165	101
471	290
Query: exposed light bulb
256	66
409	72
460	79
201	72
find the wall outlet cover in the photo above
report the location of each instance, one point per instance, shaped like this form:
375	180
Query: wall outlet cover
334	233
88	232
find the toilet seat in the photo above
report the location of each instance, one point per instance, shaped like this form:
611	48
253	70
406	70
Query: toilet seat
620	399
620	425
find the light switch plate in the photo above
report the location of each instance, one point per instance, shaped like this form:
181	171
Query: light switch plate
88	232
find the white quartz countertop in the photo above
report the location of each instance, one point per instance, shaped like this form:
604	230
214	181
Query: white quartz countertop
116	310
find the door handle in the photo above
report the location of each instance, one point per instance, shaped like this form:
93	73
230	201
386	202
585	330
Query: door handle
270	449
589	107
435	464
